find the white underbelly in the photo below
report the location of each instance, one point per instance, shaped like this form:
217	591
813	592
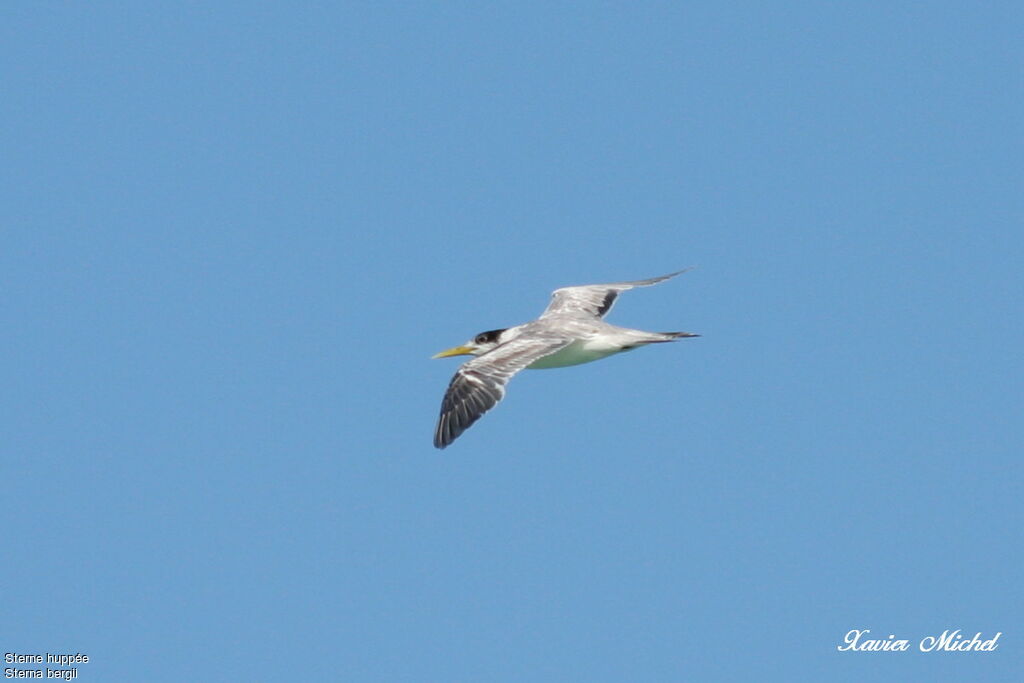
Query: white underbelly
574	354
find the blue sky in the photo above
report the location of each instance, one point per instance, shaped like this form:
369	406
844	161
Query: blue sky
234	233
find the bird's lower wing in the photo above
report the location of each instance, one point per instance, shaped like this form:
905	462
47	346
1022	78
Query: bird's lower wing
594	300
480	383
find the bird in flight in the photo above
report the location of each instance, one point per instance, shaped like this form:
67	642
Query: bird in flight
570	331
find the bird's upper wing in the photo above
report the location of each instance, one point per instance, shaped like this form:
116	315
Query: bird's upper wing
480	383
594	300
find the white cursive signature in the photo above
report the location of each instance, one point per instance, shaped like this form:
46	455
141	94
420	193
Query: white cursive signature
856	640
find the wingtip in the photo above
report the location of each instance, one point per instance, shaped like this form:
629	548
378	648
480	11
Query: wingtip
662	278
440	443
680	272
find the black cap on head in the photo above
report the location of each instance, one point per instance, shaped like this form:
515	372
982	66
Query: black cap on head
488	337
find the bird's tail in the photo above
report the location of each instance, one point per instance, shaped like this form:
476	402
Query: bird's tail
673	336
639	338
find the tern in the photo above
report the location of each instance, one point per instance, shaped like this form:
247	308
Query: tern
570	331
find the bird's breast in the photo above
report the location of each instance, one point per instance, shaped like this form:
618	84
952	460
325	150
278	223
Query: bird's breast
581	351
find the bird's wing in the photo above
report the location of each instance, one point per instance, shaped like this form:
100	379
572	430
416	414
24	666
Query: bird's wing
480	383
594	300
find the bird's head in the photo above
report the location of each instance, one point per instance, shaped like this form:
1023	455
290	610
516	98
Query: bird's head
480	344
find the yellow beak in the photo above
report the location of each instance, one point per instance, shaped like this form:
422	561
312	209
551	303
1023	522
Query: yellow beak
454	351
